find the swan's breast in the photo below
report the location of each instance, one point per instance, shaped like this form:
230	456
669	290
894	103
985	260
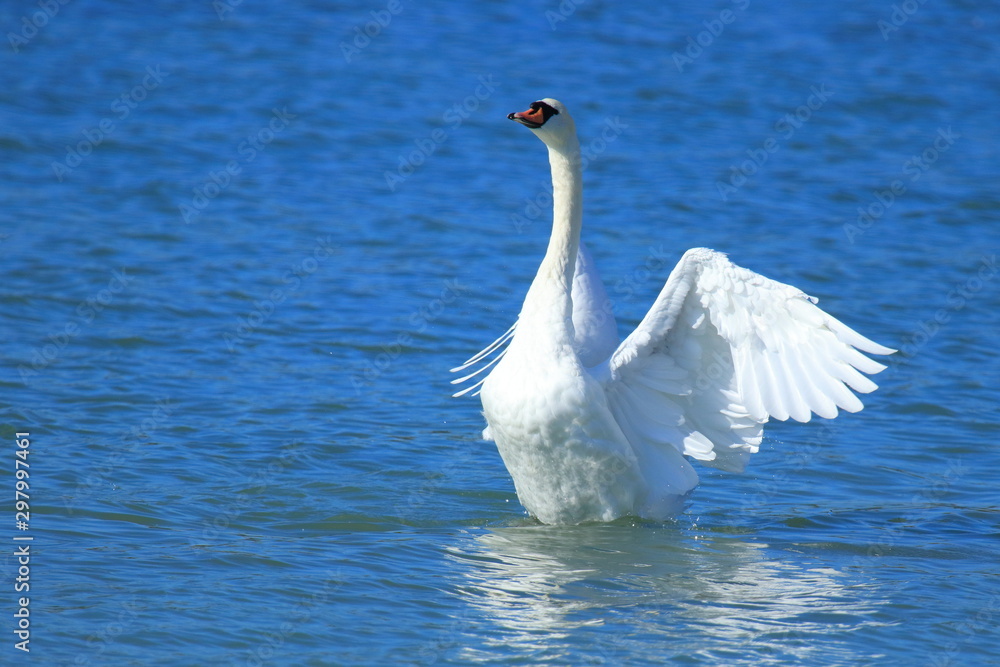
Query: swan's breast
569	460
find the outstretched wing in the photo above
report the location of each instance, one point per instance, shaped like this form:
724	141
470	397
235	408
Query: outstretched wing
722	350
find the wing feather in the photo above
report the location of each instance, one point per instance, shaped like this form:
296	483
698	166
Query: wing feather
722	350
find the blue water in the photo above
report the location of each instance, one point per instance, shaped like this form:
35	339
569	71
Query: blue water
242	252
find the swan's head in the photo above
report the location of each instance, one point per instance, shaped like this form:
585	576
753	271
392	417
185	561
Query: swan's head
550	122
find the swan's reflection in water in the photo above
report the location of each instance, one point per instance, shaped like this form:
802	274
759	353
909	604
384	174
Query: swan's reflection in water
622	593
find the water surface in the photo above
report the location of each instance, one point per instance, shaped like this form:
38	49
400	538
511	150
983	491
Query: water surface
229	321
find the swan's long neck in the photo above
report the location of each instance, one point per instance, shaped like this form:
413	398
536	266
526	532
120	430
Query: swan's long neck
549	302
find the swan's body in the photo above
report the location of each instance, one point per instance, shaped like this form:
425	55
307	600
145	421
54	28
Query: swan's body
592	430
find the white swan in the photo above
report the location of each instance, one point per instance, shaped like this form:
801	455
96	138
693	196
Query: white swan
591	430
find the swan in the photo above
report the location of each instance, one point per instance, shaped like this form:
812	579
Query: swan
593	429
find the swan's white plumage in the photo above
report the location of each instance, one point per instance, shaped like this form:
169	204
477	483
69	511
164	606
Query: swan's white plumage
746	348
595	332
591	429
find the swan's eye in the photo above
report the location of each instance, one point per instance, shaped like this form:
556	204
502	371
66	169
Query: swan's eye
547	111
